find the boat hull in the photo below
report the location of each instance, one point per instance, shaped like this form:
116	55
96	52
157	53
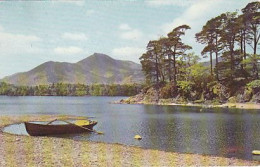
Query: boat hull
34	129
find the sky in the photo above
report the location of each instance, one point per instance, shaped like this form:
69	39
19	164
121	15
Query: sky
33	32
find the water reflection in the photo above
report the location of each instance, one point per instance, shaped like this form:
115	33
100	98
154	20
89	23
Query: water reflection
184	129
222	132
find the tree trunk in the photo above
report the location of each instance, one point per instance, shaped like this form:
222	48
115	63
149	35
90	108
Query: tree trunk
211	65
157	69
241	49
244	40
174	66
169	68
256	37
231	58
216	52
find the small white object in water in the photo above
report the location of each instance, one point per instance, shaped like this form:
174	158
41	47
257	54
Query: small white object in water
138	137
256	152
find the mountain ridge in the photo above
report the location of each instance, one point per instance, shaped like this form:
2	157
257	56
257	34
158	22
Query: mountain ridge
97	68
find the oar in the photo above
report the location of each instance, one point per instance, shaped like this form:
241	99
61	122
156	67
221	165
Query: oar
68	118
51	121
83	127
79	118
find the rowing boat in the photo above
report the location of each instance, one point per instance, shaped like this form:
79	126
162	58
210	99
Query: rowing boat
43	129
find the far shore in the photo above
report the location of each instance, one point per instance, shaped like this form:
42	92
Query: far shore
225	105
255	106
18	150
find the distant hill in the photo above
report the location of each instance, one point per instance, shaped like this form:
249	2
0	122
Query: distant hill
97	68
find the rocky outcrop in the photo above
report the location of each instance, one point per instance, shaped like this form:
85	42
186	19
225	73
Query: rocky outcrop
156	96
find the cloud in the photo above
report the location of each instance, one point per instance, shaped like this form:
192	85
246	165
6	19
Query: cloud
157	3
200	11
129	33
68	50
132	35
74	36
90	12
124	27
195	15
73	2
1	28
18	43
128	53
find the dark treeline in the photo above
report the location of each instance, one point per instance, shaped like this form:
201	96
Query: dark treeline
230	42
62	89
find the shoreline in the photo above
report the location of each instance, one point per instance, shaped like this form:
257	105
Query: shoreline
19	150
225	105
248	105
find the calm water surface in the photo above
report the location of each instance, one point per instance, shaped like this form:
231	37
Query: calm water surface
222	132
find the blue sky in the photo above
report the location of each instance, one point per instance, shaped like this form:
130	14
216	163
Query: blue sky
34	32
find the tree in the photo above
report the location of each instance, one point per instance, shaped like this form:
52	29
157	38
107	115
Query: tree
151	62
177	47
210	36
200	76
252	64
251	14
186	61
146	62
243	36
228	38
206	36
167	57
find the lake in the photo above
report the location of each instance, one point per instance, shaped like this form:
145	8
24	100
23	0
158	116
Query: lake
222	132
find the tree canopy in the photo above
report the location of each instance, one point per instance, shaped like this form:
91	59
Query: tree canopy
233	37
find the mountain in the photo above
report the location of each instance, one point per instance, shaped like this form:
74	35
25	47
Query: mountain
97	68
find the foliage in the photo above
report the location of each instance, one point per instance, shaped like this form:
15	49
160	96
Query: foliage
184	88
168	91
253	86
160	63
62	89
252	65
172	72
228	37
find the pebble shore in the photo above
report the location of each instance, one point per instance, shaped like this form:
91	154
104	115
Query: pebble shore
30	151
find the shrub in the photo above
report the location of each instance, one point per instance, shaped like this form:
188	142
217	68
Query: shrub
168	91
254	85
184	87
247	94
232	99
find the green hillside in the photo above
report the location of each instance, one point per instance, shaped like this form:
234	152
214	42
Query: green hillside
97	68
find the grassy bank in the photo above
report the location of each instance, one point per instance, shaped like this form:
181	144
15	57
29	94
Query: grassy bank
47	151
